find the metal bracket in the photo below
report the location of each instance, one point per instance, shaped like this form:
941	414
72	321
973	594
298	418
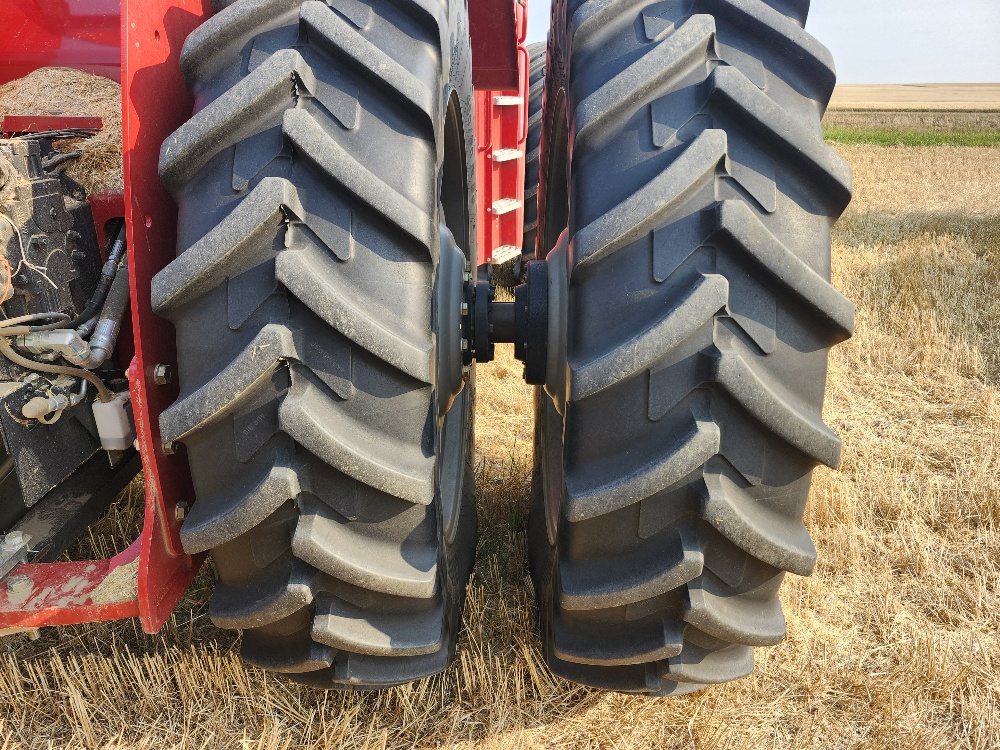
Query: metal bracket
14	550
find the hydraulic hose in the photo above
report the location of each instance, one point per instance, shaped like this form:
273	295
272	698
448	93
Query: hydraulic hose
70	344
102	343
108	273
10	327
8	351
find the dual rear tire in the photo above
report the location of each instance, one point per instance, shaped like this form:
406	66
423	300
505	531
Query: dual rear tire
684	205
323	185
685	210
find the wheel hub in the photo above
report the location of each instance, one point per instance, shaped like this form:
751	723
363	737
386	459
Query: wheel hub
523	322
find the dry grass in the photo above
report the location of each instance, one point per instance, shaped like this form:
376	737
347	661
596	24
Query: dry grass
912	128
922	122
930	182
893	642
64	91
956	96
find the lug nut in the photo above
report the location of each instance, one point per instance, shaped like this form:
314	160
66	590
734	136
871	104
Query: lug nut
466	373
19	585
170	449
180	510
465	308
465	345
163	374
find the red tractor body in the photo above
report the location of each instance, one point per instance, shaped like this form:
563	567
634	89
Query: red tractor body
82	34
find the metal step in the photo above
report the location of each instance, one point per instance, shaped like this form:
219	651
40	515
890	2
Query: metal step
505	253
505	206
507	154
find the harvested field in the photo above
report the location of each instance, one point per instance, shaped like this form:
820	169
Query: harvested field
901	128
926	115
927	96
910	120
893	642
888	127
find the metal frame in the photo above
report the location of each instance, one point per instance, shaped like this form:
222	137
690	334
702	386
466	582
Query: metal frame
501	133
149	578
11	125
155	103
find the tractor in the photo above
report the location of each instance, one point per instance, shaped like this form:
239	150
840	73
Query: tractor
278	323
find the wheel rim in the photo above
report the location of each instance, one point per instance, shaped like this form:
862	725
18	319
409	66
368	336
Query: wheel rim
455	404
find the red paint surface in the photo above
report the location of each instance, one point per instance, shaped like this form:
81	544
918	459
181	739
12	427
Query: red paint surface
82	34
105	207
63	593
502	127
155	103
19	124
493	27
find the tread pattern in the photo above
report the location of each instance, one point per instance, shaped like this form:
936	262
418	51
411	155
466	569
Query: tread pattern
536	87
702	192
302	297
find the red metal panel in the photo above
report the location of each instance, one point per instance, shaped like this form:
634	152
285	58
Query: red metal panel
68	593
156	102
105	207
493	28
501	133
20	124
82	34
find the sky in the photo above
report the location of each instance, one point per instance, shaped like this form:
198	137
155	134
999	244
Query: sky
891	41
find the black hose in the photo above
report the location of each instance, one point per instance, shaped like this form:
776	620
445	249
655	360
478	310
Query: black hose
102	343
96	301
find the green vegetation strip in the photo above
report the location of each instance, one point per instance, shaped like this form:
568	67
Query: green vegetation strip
892	137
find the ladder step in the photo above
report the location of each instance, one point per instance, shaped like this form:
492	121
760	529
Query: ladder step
507	101
507	154
505	206
505	253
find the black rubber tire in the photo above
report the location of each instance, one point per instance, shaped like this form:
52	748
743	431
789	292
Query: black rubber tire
330	142
673	459
536	83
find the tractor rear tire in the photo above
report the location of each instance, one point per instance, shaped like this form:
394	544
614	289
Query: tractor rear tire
536	83
682	415
327	165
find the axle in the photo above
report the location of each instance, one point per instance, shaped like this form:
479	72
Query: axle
523	322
